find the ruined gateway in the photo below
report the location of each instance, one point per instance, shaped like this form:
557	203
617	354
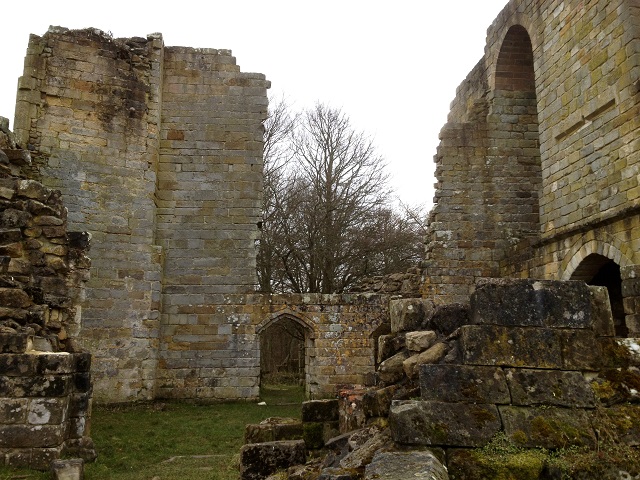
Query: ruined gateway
157	153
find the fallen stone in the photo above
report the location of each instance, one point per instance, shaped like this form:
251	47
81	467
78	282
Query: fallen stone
362	455
273	429
389	345
69	469
376	403
409	314
432	355
336	473
443	424
404	465
391	370
549	387
320	410
420	341
447	319
462	383
259	460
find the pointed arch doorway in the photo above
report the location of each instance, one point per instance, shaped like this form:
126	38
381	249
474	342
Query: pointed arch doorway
285	341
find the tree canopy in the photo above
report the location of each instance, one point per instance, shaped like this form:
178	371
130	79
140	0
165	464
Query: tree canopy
327	215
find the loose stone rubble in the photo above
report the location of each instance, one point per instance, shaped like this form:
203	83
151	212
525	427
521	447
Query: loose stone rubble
582	382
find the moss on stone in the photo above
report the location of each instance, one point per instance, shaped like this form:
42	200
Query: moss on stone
312	433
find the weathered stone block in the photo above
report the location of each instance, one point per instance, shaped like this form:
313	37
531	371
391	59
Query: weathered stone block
69	469
432	355
549	427
259	460
465	384
623	423
447	318
549	387
391	370
419	341
13	410
466	464
25	436
403	465
603	324
36	386
389	345
581	349
13	343
409	314
511	346
437	423
336	473
376	403
531	303
47	411
320	411
273	429
313	434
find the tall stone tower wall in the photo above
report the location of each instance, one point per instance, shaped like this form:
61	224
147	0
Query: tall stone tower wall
157	152
538	164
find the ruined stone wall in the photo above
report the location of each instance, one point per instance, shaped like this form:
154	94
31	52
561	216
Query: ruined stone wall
213	352
45	384
157	152
538	161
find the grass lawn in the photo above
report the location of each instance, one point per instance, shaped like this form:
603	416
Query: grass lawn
174	440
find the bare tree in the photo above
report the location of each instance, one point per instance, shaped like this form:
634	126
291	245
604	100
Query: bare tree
327	220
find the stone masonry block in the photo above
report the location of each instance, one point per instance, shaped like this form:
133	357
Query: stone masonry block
401	465
259	460
419	341
437	423
463	384
531	303
549	427
34	436
549	387
601	311
320	411
409	314
514	347
581	349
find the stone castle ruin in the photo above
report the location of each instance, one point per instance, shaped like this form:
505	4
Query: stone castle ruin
157	154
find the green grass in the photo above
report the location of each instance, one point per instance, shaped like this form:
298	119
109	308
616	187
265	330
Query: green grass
174	440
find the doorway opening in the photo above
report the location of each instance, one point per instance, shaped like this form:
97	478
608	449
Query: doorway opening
599	270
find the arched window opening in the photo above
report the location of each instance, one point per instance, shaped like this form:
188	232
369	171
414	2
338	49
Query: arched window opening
599	270
514	70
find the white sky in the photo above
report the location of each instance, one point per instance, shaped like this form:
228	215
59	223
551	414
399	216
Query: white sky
392	67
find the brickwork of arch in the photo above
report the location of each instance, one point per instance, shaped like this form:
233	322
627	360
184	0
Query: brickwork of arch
612	248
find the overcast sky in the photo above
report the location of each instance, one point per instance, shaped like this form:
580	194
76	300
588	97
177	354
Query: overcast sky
392	67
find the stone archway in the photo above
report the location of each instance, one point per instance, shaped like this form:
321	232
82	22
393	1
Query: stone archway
599	270
285	340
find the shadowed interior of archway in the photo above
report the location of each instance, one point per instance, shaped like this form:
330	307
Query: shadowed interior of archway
599	270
